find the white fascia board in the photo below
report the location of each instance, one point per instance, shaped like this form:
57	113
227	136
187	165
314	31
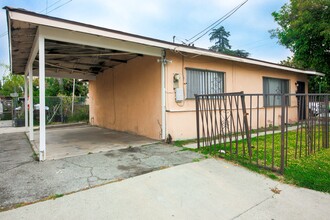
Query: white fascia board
123	42
247	61
9	41
129	41
74	37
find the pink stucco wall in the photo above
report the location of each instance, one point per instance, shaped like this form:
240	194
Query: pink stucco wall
181	117
128	97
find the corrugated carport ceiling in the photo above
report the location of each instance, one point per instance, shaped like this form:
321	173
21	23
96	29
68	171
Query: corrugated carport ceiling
63	59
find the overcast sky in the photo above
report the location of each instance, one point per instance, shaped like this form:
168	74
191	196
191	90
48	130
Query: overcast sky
163	19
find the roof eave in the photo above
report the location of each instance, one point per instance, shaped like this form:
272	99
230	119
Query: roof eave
27	16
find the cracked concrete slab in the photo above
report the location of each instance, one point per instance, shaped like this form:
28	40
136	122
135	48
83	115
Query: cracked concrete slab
209	189
24	180
82	139
15	151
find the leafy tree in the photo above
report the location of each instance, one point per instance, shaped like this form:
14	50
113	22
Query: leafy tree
221	45
15	83
220	36
305	30
239	53
56	86
52	87
66	87
12	83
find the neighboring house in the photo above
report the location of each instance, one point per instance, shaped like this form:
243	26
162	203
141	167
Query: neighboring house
138	84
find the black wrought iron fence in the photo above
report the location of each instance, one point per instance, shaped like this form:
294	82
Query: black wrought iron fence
269	130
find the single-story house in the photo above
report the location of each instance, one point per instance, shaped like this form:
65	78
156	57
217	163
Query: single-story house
136	84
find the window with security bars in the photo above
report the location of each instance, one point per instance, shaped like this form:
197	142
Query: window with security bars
275	86
204	82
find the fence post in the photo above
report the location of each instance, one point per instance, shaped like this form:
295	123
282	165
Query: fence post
197	120
282	133
326	121
61	111
246	125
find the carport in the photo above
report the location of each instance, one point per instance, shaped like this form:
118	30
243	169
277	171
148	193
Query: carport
43	46
77	140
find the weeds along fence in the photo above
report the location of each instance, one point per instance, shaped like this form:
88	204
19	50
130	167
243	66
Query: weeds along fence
268	130
59	109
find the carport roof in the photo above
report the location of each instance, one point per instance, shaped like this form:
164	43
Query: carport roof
88	60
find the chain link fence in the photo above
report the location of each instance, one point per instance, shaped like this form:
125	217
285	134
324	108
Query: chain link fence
59	109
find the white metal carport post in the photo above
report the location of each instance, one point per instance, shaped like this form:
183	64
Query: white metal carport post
31	102
42	113
25	101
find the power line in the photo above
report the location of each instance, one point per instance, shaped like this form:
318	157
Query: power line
47	12
47	7
60	6
216	23
260	45
3	34
254	42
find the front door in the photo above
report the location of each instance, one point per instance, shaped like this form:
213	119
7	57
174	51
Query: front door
301	100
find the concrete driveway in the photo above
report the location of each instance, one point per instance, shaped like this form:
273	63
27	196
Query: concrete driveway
69	141
210	189
24	180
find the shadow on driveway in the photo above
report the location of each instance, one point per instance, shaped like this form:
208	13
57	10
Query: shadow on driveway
24	180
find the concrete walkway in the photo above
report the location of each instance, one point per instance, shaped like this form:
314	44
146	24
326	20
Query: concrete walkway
210	189
24	180
6	127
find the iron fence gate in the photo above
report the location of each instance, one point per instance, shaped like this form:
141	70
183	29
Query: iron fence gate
269	130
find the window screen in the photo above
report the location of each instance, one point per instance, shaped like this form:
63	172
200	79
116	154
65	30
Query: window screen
204	82
275	86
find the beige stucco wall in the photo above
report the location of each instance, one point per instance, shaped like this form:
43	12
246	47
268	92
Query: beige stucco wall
181	117
128	97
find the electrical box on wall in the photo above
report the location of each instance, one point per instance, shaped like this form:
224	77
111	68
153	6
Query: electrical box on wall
179	94
176	79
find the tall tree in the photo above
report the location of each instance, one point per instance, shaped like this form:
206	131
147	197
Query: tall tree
221	43
305	30
220	36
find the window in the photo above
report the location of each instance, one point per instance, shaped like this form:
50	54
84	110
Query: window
275	86
204	82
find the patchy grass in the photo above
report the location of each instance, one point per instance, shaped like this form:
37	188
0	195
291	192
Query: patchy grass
55	196
196	160
311	171
19	205
181	143
35	156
